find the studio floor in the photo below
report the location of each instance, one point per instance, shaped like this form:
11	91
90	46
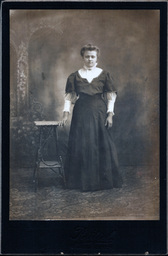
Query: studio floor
138	199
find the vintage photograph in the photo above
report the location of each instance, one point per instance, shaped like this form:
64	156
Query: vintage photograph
84	114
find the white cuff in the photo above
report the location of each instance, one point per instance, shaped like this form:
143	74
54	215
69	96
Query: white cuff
110	106
67	106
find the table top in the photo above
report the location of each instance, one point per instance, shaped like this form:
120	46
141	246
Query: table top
47	123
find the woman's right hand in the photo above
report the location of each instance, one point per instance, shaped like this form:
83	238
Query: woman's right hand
65	118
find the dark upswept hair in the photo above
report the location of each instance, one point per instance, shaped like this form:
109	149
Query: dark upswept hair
89	47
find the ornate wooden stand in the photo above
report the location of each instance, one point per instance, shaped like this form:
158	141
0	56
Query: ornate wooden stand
48	129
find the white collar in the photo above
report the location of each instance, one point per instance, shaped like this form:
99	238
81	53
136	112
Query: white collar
90	74
90	69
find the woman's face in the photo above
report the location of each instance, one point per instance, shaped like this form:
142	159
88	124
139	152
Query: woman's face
90	58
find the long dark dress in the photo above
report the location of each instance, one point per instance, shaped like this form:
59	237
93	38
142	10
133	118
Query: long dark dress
91	162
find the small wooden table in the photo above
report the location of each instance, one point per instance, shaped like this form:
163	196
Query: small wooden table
49	129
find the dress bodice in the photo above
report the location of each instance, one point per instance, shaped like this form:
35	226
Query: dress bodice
102	83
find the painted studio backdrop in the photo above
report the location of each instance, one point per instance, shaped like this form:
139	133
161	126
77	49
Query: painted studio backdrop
44	50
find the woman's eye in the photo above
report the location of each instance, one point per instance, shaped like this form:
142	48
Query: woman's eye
87	57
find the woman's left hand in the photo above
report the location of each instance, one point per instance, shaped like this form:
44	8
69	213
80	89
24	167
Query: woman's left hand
109	120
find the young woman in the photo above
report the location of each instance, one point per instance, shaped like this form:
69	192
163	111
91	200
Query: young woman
91	162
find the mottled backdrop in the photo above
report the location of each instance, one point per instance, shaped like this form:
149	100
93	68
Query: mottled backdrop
45	49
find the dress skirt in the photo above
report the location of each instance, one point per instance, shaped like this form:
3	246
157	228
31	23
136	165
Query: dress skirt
91	162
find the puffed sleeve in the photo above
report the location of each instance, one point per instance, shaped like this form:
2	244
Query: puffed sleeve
109	83
70	94
110	93
70	85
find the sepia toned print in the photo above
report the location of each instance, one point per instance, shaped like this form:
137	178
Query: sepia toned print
44	50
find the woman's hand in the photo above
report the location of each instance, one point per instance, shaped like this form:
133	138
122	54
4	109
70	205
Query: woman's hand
109	120
65	118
